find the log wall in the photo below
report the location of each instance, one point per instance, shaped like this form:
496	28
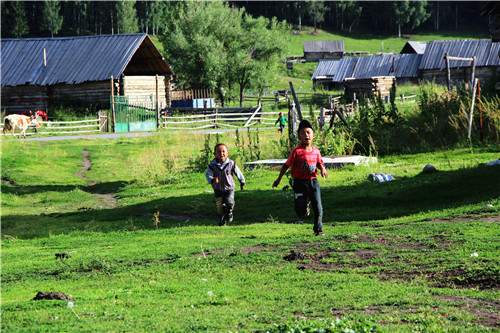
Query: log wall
90	93
460	74
24	98
146	86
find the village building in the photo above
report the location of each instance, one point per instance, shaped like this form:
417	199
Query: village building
487	62
81	70
413	66
323	49
414	48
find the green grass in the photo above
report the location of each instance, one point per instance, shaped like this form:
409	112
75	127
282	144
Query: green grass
396	255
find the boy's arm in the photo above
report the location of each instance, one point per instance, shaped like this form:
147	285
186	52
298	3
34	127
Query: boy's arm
240	177
284	168
323	171
209	175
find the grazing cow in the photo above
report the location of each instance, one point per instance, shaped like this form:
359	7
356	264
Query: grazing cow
18	121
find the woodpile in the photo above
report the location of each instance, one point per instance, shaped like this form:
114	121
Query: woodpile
369	87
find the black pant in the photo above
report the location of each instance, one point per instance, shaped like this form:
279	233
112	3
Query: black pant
308	189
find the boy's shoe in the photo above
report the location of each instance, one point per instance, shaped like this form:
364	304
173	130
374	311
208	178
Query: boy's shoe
222	221
319	234
229	217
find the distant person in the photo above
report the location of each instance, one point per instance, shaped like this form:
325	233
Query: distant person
220	175
282	120
305	161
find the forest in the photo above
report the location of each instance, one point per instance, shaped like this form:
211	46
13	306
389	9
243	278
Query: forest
23	19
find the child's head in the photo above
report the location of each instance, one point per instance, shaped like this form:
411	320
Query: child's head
281	114
306	132
221	152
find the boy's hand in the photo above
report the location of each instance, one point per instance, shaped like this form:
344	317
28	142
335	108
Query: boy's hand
324	173
276	183
215	180
242	186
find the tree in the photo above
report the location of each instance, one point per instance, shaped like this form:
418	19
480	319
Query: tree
126	17
402	13
316	9
15	21
349	11
211	45
420	14
52	21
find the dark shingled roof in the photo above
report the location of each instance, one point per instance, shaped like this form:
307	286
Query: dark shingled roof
74	60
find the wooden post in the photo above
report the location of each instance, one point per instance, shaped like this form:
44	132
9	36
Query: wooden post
156	105
473	69
480	114
472	107
113	119
297	105
448	80
321	119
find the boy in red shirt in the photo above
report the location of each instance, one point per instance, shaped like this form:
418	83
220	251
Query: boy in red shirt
305	161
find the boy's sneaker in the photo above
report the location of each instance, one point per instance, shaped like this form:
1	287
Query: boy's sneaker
319	234
222	221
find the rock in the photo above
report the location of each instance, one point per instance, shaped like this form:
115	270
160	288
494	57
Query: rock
429	168
52	295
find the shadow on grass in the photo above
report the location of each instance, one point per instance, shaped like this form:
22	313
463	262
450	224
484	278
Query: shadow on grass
363	202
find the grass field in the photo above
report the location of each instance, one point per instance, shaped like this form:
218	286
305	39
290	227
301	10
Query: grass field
397	256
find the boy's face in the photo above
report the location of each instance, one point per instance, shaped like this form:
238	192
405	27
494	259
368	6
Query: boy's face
306	136
221	153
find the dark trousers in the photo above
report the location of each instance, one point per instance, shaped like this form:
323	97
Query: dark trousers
308	189
224	201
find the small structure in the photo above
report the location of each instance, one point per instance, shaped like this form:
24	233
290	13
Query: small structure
369	87
80	70
487	62
330	162
323	49
332	73
414	48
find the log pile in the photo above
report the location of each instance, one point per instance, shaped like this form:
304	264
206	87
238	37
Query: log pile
369	87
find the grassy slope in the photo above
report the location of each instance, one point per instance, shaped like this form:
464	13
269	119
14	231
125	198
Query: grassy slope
383	260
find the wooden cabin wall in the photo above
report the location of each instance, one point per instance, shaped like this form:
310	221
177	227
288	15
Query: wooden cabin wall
24	98
146	86
88	93
317	56
460	75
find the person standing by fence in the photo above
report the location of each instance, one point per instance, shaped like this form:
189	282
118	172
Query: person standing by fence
282	120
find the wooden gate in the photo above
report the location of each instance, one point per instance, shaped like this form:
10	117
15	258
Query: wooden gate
134	114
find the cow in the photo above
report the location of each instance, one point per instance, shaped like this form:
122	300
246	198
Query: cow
18	121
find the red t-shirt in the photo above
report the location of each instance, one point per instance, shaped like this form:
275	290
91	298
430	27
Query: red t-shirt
304	163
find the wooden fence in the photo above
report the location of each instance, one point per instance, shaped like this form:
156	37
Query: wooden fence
67	127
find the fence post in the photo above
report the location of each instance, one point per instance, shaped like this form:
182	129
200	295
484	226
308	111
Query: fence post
156	105
321	119
448	78
113	120
472	107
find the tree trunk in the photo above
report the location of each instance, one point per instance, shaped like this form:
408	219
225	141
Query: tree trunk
399	30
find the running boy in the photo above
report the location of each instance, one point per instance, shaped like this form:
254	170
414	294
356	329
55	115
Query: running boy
305	161
282	120
220	174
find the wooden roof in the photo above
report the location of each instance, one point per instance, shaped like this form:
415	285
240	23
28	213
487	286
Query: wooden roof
74	60
327	46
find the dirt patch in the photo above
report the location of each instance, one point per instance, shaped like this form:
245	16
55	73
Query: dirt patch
52	295
108	200
10	182
469	218
486	312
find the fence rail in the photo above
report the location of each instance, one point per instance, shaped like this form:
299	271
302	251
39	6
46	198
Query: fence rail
64	127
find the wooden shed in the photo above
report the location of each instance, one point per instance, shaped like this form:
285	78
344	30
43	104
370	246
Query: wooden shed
316	50
492	9
369	87
78	70
487	64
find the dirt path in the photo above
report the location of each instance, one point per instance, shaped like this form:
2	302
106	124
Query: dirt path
109	200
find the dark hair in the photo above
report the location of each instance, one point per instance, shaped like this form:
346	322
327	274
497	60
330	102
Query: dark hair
304	124
218	145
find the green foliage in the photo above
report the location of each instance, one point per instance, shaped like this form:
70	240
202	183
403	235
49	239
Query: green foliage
52	19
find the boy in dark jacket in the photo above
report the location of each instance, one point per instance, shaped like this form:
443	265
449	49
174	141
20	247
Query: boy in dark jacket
220	175
305	161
